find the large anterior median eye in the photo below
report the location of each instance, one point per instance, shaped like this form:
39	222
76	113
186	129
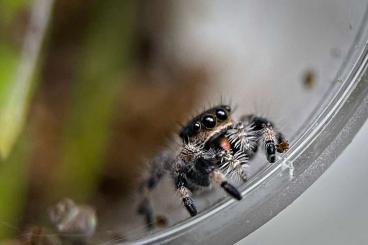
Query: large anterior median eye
221	114
209	121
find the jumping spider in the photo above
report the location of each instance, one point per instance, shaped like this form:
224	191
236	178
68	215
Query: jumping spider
214	147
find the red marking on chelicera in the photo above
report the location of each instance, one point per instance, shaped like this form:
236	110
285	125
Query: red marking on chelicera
225	144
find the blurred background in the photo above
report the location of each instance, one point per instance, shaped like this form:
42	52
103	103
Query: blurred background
89	89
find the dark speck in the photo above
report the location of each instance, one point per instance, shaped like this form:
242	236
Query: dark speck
309	79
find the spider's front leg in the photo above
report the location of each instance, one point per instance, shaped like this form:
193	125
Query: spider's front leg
234	163
219	178
208	167
272	139
203	169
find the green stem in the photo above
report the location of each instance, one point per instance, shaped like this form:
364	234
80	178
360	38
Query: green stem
94	93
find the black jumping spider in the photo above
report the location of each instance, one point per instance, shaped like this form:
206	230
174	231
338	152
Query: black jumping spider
214	147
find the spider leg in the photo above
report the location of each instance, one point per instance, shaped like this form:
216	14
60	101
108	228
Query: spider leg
268	138
182	188
196	173
219	178
234	164
267	134
158	168
208	167
282	143
145	209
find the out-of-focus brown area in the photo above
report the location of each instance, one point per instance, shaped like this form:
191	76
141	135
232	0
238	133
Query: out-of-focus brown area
156	92
146	117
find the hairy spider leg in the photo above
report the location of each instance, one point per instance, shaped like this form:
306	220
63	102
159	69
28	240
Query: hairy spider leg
199	174
272	140
233	164
219	178
183	190
209	168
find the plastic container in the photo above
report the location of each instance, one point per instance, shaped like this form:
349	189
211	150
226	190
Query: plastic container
324	135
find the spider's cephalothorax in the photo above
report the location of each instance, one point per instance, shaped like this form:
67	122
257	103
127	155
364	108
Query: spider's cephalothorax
214	148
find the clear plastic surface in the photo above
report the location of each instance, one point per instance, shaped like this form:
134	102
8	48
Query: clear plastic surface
326	133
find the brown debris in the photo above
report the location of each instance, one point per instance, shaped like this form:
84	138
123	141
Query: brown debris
283	146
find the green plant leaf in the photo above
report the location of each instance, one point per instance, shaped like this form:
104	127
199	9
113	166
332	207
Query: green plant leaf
17	73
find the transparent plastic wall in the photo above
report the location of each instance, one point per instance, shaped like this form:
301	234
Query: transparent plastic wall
284	43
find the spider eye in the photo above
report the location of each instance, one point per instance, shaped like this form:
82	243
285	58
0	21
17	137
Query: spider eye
209	121
196	127
221	114
227	108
